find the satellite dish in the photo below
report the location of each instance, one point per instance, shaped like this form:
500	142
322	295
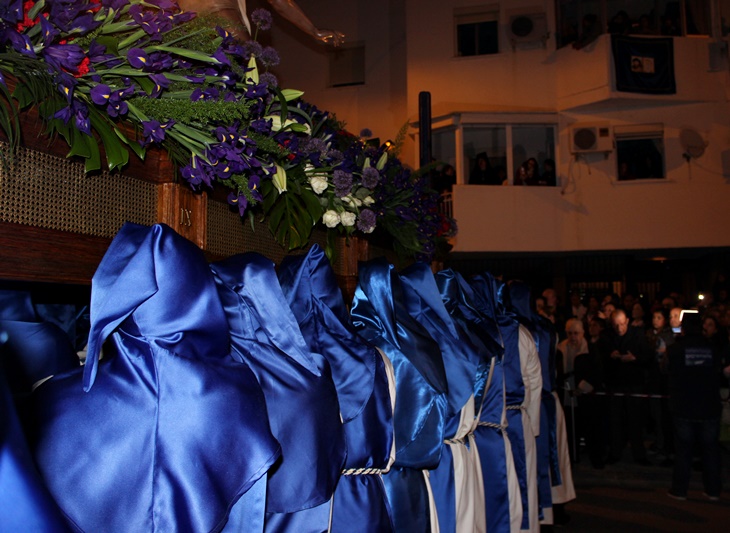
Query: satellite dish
692	143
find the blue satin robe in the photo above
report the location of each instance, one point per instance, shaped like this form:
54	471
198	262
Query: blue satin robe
301	398
25	503
509	327
547	448
379	315
309	284
167	432
462	364
492	437
33	349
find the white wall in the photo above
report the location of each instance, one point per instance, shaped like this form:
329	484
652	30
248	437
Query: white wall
410	48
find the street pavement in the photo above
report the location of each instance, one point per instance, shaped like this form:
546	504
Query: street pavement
627	497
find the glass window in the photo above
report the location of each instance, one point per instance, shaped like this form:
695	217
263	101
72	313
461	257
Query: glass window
477	33
485	154
639	159
533	155
580	21
725	17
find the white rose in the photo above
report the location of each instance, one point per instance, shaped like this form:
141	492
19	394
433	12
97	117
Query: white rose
347	218
368	200
330	218
318	182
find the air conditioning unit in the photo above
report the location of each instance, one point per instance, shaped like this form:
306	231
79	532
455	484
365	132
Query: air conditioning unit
527	29
587	138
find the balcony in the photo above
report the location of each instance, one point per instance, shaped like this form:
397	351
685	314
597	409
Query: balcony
586	80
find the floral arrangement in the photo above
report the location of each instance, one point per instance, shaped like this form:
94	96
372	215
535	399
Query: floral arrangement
117	76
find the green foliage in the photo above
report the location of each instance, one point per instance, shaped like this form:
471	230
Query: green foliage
187	112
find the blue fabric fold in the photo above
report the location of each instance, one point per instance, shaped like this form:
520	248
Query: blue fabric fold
25	503
379	315
302	402
171	431
309	284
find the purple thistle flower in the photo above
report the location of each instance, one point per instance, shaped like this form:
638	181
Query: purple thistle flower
366	221
370	178
267	78
262	19
335	156
269	57
343	183
252	48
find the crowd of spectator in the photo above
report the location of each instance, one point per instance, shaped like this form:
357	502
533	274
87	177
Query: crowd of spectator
646	375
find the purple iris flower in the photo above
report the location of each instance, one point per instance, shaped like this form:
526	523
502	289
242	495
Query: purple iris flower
159	62
154	24
79	112
257	91
11	11
239	200
19	42
221	56
116	5
97	54
116	106
261	126
161	82
209	93
153	131
138	58
64	56
196	172
100	94
48	31
70	15
66	84
254	181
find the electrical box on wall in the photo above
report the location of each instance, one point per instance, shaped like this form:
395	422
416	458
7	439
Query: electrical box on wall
590	138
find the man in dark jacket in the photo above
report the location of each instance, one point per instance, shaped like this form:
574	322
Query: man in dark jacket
628	358
695	374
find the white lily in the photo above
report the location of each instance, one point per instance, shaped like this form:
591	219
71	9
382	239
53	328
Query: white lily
279	179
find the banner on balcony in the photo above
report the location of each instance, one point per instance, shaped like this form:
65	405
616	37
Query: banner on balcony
644	65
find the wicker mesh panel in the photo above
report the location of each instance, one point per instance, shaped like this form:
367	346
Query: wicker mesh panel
42	190
228	234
